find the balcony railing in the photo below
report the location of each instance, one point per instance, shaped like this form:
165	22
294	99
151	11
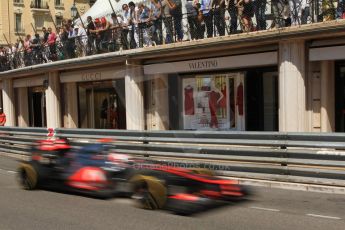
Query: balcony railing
39	4
261	15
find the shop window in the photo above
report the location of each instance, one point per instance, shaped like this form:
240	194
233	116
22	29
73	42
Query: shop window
208	102
102	105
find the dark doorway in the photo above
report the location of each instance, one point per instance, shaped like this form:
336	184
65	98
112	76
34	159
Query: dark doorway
37	103
261	100
254	101
340	98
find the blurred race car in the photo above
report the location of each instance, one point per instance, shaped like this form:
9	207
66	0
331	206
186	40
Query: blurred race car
97	170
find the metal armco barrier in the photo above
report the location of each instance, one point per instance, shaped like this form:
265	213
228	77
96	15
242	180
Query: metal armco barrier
311	158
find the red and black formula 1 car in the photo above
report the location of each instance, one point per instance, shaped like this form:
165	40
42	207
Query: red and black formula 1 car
97	170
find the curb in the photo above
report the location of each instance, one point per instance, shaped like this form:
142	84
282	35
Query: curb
289	186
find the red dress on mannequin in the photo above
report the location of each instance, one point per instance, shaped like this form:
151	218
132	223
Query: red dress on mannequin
188	101
212	101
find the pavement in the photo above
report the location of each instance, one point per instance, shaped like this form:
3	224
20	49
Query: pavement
268	208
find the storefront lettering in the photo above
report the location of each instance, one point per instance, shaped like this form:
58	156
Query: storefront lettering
203	65
91	76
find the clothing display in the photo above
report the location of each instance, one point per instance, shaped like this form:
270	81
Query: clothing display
239	99
213	98
188	100
222	103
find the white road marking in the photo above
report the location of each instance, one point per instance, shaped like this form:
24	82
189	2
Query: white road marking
8	171
327	217
266	209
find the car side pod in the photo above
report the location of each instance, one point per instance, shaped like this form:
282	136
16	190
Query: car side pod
148	191
28	176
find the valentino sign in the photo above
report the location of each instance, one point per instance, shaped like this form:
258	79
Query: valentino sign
199	65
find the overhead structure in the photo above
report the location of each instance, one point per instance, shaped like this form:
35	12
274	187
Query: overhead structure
102	8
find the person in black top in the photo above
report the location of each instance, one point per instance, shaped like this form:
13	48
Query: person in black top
45	34
90	28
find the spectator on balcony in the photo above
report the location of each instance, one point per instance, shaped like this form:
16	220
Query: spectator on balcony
144	25
82	40
260	14
277	8
286	13
105	34
45	35
116	33
328	10
218	7
90	29
156	17
192	18
36	46
175	7
341	9
126	26
27	50
246	12
168	22
51	43
133	26
200	20
232	9
70	42
206	6
305	12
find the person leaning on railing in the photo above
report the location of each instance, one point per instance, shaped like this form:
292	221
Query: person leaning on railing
156	18
51	44
117	38
192	18
218	7
144	25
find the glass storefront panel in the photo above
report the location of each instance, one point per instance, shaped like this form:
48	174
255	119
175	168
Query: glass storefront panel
209	102
340	98
230	101
102	105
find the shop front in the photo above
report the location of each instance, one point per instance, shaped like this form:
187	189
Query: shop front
30	101
98	95
219	94
102	104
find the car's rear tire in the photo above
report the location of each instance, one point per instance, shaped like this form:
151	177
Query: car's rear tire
149	192
28	176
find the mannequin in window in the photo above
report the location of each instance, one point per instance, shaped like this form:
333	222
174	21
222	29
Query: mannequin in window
239	99
104	115
214	97
222	102
188	100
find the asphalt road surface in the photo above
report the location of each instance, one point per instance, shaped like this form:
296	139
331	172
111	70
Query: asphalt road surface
267	209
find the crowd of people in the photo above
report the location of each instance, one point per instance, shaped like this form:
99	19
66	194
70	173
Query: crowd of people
158	22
